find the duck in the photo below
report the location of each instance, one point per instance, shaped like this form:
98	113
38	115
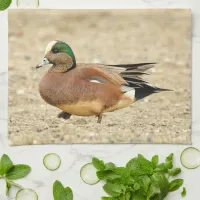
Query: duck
90	89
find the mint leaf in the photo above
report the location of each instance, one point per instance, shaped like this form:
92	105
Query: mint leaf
183	193
58	189
153	190
175	184
138	196
140	166
109	166
5	165
66	194
155	160
69	192
18	171
122	171
161	181
98	164
109	198
128	196
136	168
175	172
61	193
169	161
161	168
146	183
145	164
107	175
133	164
170	157
125	176
136	186
169	165
113	189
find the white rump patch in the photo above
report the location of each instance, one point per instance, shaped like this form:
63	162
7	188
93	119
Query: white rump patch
131	94
49	47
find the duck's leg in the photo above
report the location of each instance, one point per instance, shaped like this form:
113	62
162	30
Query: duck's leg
99	118
64	115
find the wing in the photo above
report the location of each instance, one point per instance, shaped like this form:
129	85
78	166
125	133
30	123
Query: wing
127	74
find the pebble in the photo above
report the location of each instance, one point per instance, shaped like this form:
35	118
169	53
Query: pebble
27	57
35	142
20	91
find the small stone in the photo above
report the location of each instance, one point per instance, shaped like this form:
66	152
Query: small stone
92	134
27	57
35	142
20	91
146	100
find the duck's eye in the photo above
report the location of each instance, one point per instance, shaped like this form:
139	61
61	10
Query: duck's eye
55	50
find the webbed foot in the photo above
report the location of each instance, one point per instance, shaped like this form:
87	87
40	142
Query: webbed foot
64	115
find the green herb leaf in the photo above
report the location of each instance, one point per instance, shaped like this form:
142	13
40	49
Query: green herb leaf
109	198
146	183
98	164
122	171
109	166
160	180
153	190
169	161
18	171
136	186
184	192
145	164
138	196
113	189
128	196
133	164
58	189
5	165
155	160
140	166
161	168
169	165
170	157
175	184
175	172
67	194
107	175
61	193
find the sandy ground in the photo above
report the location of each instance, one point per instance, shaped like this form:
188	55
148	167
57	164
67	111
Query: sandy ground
110	37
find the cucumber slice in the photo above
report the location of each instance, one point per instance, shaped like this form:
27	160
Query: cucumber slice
52	161
88	174
28	3
26	194
190	158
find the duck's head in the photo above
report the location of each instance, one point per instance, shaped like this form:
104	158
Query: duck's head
60	55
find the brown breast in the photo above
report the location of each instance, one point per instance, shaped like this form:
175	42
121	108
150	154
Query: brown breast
73	86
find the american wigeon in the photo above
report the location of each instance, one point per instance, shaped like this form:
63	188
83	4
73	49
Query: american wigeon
90	89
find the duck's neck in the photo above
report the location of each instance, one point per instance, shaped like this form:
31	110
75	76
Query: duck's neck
61	68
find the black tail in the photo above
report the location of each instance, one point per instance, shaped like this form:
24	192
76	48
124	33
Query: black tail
146	90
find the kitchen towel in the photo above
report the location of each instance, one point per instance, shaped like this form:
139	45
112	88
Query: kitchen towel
111	37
